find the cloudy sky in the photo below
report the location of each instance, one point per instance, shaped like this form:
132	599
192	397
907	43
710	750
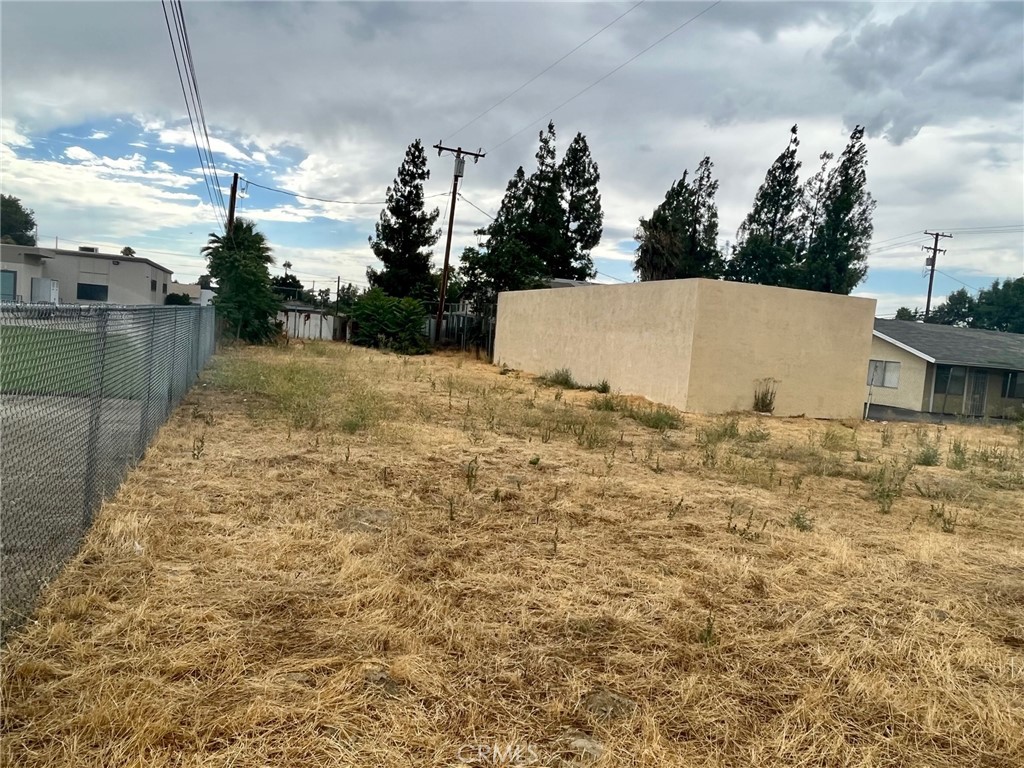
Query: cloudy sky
322	99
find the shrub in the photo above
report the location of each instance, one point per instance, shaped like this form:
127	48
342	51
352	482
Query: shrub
603	387
957	456
764	395
656	417
560	378
928	455
389	323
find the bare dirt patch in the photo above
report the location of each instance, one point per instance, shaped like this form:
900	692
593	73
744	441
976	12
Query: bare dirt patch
375	560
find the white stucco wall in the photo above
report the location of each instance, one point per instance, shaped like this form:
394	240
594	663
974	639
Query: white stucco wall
698	345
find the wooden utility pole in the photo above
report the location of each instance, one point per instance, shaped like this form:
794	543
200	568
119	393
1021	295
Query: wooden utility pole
460	169
231	204
931	263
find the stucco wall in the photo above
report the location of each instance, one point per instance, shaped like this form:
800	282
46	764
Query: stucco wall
699	345
809	342
914	387
24	268
637	336
128	281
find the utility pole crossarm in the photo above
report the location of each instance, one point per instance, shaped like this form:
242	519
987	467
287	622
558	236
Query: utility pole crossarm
935	250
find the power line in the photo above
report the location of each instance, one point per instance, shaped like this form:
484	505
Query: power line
545	70
474	205
188	109
611	277
1007	227
198	99
916	233
957	279
609	74
251	183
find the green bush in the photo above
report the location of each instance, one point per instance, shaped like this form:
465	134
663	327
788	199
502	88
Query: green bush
389	323
560	378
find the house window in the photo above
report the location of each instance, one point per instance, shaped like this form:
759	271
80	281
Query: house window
1013	385
950	379
8	285
92	292
165	288
152	285
883	373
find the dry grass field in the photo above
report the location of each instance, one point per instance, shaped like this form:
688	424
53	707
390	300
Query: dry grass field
336	557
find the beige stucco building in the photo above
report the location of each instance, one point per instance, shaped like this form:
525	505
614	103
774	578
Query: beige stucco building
84	276
698	345
940	369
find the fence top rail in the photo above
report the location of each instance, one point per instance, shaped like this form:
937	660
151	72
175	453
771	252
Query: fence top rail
88	310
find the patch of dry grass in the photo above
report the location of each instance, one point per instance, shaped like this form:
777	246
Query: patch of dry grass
377	561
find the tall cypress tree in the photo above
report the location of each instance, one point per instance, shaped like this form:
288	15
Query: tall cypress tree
545	230
505	262
680	239
768	240
584	218
837	222
405	233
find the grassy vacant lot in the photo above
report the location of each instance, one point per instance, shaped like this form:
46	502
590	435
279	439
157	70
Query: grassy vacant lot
338	557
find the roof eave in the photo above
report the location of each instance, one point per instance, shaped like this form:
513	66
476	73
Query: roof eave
905	347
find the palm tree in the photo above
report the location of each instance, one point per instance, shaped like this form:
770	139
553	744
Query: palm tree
238	262
287	265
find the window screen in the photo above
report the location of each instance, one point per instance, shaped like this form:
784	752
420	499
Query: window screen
1013	385
91	292
949	380
883	373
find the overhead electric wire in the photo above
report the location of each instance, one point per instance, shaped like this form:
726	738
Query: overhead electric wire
220	214
608	74
957	279
546	69
208	168
325	200
611	277
474	205
198	99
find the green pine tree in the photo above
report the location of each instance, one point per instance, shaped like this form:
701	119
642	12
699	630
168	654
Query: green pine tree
584	218
768	240
505	262
545	230
680	239
405	233
836	222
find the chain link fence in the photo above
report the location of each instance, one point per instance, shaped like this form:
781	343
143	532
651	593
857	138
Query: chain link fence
83	389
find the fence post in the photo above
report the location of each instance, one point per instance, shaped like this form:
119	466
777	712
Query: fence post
174	362
144	418
95	409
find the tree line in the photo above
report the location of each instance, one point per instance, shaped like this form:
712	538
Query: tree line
1000	307
812	235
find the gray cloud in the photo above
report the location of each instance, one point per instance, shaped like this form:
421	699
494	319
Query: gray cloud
347	86
933	65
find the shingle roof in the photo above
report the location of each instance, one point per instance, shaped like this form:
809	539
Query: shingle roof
957	346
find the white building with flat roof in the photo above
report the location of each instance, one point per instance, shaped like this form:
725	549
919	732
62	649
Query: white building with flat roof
83	276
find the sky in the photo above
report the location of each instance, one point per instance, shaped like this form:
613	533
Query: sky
322	99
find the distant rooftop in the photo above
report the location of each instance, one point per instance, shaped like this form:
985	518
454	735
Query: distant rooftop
950	345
